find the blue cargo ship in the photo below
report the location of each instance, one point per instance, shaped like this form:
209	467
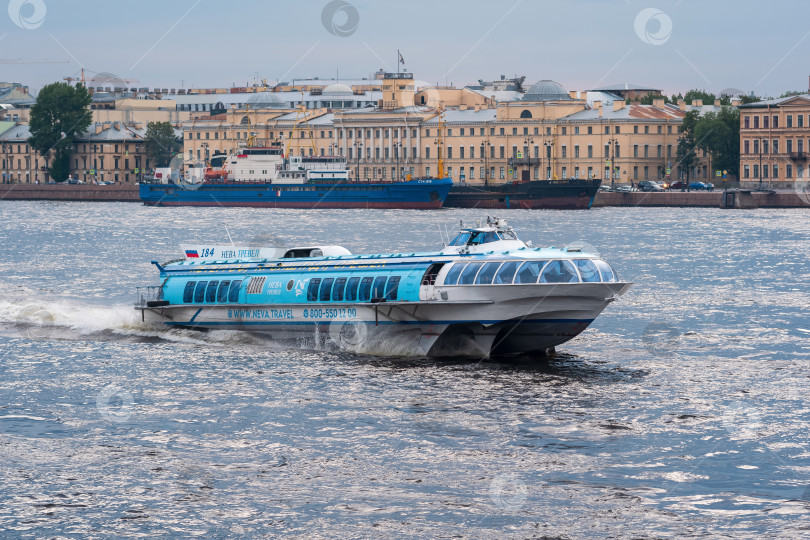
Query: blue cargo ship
264	177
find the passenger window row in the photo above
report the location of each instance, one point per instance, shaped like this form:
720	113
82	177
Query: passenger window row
355	289
210	292
517	272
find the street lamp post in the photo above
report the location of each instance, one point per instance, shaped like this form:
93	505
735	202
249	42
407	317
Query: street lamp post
760	163
485	144
358	148
549	151
526	142
397	146
612	142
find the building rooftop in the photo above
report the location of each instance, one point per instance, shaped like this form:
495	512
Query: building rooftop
624	87
777	101
455	116
546	91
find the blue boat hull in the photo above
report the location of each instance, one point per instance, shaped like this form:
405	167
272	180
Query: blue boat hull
412	194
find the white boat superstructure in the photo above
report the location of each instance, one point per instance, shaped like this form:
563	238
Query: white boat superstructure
269	165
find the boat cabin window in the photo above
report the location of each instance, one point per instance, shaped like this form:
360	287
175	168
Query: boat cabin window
559	272
365	290
188	292
233	293
461	239
430	276
468	275
452	276
222	293
312	291
484	237
392	288
486	274
587	270
326	289
351	289
529	272
303	253
606	271
378	290
337	292
475	238
211	292
199	292
506	273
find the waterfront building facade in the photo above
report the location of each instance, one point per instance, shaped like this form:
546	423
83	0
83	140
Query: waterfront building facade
775	142
548	133
106	152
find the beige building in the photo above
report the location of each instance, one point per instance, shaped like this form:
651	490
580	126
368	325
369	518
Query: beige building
775	141
107	152
548	133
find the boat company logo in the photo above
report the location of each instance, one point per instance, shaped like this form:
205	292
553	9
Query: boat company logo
301	286
115	404
27	14
340	18
192	254
508	492
653	26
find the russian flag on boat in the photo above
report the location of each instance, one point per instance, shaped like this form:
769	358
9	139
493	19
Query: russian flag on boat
192	254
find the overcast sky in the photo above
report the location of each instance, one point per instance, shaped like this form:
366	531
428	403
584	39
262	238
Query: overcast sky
675	45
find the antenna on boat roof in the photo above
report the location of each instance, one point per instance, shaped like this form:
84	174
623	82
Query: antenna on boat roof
229	236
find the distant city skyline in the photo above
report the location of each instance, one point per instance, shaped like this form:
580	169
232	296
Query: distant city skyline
672	45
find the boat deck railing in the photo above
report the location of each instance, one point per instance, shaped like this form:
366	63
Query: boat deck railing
147	294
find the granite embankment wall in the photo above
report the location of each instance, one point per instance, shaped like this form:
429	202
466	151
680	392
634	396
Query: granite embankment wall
59	192
712	199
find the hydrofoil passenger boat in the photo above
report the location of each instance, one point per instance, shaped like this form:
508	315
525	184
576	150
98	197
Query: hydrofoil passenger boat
486	293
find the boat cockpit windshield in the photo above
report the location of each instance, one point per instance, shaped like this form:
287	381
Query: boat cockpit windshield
475	238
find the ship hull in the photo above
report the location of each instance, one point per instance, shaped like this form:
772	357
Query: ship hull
415	194
538	194
513	320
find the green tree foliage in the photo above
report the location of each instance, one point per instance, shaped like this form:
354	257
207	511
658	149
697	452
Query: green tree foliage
687	157
708	98
719	133
60	114
161	143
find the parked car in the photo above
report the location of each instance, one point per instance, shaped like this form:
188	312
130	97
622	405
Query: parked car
625	189
649	185
605	188
701	186
677	184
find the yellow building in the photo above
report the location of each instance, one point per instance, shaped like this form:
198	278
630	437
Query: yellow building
775	141
548	133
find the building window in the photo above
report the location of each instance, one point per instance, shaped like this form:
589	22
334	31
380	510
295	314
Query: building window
618	129
564	130
607	130
590	130
765	121
635	129
775	121
635	150
789	121
788	171
502	175
776	171
460	153
660	153
564	172
576	130
514	131
576	151
526	114
800	120
635	172
646	129
590	150
503	152
775	146
564	154
756	122
647	173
